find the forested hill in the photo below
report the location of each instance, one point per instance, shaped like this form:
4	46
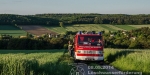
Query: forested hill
76	18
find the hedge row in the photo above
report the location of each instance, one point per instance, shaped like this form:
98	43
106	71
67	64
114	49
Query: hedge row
33	44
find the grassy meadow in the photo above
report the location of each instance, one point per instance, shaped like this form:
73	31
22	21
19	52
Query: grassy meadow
129	60
125	27
16	31
93	27
53	62
34	62
11	30
139	26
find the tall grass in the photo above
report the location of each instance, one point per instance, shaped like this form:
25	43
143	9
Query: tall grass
129	60
34	63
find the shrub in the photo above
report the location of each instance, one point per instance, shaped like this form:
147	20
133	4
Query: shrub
65	46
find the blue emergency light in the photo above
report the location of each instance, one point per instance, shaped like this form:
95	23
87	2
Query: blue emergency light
93	32
80	32
99	33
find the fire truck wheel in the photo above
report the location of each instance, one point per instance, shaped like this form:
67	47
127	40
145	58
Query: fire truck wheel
76	61
72	53
101	62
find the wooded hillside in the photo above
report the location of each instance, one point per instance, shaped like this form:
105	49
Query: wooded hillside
54	19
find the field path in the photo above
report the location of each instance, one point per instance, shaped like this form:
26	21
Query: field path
36	29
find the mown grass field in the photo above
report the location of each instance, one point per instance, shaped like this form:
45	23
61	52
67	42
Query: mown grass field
86	27
93	27
125	27
11	30
59	30
77	27
129	60
139	26
33	62
15	31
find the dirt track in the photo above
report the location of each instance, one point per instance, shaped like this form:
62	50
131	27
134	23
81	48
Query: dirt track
36	29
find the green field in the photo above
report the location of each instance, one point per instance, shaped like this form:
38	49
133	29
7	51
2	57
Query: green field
139	26
15	31
129	60
125	27
59	30
11	30
93	27
114	27
34	62
108	28
53	62
80	27
85	27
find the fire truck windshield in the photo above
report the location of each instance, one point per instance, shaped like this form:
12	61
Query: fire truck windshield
90	40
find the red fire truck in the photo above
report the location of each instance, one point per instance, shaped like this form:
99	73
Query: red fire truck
88	47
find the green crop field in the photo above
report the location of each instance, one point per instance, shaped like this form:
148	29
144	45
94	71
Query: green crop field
125	27
59	30
109	28
16	31
139	26
53	62
11	30
79	27
34	62
129	60
114	27
93	27
86	27
8	27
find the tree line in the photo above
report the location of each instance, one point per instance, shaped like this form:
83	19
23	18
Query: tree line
133	39
33	44
76	18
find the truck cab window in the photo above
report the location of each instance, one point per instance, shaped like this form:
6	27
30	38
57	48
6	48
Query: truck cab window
85	40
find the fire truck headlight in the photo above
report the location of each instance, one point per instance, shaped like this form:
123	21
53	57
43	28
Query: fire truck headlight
100	52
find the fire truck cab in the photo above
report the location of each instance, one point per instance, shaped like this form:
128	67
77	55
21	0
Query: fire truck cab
88	47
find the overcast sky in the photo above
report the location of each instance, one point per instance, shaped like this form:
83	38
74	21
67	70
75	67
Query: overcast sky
28	7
